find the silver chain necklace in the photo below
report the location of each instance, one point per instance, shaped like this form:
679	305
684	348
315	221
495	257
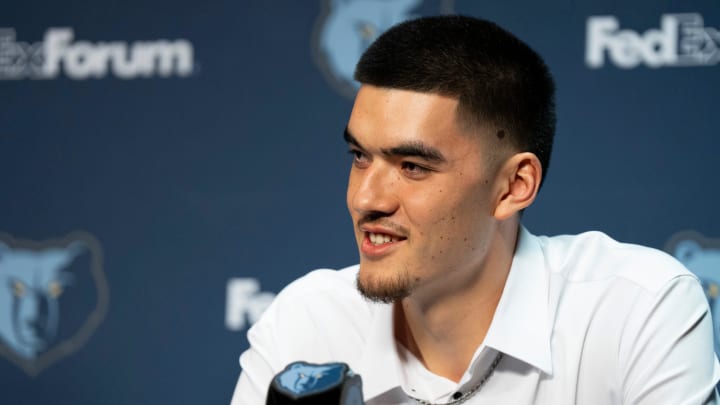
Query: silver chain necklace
469	393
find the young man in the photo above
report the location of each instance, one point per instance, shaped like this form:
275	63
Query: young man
453	300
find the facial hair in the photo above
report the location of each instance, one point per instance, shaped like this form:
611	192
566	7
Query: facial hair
386	291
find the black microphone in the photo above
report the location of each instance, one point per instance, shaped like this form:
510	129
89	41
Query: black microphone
317	384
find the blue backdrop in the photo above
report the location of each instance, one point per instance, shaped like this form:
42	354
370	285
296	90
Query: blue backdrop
167	167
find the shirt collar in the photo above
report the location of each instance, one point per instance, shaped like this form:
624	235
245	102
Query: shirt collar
520	327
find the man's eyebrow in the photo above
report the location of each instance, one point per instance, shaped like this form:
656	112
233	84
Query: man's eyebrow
410	149
350	139
416	149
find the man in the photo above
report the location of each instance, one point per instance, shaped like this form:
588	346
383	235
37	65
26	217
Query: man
453	300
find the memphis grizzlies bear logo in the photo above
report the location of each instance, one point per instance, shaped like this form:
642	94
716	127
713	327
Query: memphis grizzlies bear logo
53	295
304	380
702	257
346	28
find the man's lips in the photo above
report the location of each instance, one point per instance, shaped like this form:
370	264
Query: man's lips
381	238
379	241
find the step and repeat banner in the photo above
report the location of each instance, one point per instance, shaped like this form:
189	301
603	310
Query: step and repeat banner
167	167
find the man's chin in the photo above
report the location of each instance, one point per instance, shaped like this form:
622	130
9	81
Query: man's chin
384	290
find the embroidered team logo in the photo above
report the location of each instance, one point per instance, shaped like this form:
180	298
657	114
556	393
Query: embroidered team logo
53	295
701	255
346	28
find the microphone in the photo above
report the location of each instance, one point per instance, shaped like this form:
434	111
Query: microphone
307	383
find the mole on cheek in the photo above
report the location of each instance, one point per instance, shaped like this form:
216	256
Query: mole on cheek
501	134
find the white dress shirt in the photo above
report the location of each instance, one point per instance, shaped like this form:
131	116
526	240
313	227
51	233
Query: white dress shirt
582	320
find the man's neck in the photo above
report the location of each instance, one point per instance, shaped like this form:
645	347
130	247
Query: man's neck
444	331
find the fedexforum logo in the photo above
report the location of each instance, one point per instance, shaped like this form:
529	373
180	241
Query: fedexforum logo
59	53
245	303
53	295
681	40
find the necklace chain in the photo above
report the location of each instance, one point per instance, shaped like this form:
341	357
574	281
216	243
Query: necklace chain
469	393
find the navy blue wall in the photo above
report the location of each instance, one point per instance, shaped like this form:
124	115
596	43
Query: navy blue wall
193	181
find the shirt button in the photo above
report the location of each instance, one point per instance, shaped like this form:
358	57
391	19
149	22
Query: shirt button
457	395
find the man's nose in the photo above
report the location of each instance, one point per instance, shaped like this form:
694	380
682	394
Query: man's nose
375	190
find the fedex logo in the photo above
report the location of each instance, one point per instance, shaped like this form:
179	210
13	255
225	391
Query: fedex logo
681	40
245	303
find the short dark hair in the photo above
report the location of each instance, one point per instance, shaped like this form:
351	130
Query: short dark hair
497	78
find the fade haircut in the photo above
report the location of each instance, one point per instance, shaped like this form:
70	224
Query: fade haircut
497	79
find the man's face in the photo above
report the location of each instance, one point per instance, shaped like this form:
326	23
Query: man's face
420	194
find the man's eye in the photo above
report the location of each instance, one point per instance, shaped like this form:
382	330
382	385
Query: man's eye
414	169
359	158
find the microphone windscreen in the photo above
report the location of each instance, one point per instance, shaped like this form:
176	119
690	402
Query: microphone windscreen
307	383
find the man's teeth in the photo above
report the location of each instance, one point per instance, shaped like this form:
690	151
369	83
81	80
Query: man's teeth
379	238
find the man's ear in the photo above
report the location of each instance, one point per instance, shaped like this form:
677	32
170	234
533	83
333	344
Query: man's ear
518	182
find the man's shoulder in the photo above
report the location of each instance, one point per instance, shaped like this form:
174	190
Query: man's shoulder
595	256
321	294
322	281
